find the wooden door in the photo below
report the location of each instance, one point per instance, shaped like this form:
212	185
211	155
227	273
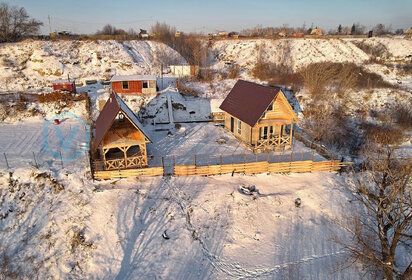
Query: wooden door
232	124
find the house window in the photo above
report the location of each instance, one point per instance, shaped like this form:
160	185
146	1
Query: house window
125	85
145	84
270	108
271	131
239	127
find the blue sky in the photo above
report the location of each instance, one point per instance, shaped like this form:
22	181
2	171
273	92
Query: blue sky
86	16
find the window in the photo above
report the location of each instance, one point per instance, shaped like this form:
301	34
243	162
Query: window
239	127
145	84
270	108
271	131
125	85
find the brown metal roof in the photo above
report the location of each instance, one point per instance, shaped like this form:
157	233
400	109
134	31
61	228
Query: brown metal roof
107	116
248	101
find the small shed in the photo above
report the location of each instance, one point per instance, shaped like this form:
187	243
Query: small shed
184	70
259	115
120	138
134	84
64	85
218	115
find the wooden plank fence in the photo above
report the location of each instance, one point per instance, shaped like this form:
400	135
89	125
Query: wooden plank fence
124	173
260	167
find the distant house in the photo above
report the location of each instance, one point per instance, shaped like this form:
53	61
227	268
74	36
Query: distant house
184	70
298	35
223	34
234	35
408	32
64	85
178	34
134	84
316	31
259	115
120	140
143	34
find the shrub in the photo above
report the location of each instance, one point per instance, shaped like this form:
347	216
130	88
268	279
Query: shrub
403	116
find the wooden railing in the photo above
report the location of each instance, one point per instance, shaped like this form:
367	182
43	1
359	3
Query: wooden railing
121	163
273	142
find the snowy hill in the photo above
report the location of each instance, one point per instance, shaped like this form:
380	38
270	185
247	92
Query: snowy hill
301	52
33	64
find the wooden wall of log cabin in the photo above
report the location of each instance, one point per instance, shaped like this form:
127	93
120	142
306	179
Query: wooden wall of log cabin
245	130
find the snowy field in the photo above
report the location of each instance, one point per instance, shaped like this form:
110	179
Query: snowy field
214	230
52	145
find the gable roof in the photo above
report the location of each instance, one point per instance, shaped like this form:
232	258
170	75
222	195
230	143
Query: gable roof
124	78
248	101
107	116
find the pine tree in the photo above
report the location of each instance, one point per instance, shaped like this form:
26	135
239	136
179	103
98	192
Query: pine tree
353	30
339	29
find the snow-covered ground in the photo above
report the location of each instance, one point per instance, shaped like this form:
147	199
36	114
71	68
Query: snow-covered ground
55	222
214	230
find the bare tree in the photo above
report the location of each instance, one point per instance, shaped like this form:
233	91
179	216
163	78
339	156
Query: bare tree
381	229
15	23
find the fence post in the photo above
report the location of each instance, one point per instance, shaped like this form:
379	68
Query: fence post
220	160
291	156
233	158
195	159
244	158
268	159
163	166
35	161
313	155
7	163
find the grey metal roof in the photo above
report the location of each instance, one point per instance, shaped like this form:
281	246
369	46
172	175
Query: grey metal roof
122	78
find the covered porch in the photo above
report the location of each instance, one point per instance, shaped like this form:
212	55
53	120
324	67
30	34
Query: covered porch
269	136
124	154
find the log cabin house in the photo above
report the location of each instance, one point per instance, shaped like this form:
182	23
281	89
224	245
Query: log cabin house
134	84
120	139
259	116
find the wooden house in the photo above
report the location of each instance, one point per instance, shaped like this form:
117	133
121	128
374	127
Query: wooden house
64	85
119	136
316	31
134	84
260	116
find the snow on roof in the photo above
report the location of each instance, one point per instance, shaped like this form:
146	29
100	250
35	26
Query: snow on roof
59	81
131	115
122	78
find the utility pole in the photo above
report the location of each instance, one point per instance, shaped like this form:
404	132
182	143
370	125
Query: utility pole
49	25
